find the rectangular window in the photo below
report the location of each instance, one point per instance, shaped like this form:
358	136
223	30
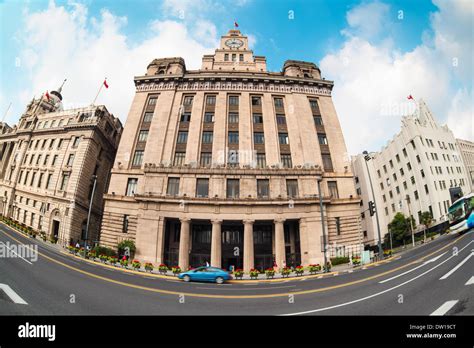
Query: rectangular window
397	157
258	138
60	143
49	181
233	188
185	117
55	158
211	100
241	57
313	103
322	139
233	100
233	157
51	143
332	188
283	138
286	161
33	176
143	135
148	117
263	188
43	144
327	163
137	158
202	188
206	159
70	160
173	187
188	100
125	223
408	165
318	120
76	142
64	182
278	102
45	162
281	119
233	137
257	118
233	117
40	180
38	159
182	137
131	186
179	158
261	160
207	137
208	117
152	101
292	188
405	152
412	180
338	225
226	57
234	57
256	101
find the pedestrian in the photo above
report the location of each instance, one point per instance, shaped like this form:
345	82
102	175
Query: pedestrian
78	245
207	264
284	264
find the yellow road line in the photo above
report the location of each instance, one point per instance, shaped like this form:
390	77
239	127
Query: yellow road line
179	293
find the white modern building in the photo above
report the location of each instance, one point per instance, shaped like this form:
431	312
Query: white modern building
412	174
466	148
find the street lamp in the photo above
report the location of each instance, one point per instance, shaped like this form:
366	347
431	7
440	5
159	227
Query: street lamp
325	269
409	220
94	177
367	159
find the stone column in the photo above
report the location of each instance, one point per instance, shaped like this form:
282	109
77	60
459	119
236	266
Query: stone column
216	243
160	241
248	245
184	244
280	257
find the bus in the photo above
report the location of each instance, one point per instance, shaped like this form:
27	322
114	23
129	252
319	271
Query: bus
461	214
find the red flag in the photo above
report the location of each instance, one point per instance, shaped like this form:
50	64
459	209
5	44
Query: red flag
47	95
236	24
410	97
105	84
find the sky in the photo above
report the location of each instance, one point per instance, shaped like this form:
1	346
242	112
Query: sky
376	52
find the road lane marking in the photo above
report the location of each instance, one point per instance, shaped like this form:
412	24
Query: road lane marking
470	281
457	266
21	257
445	307
12	294
305	292
413	269
378	293
247	289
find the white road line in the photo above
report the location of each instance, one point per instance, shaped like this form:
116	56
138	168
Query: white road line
413	269
457	266
377	293
12	294
350	271
16	253
445	307
470	281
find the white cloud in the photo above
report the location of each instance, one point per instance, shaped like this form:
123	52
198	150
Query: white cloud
65	42
371	79
367	20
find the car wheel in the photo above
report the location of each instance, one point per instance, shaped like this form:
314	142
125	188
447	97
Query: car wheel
219	280
186	278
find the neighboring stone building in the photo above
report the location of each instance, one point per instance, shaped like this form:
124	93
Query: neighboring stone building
47	162
466	148
421	161
221	164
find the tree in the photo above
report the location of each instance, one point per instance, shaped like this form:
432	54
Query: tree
398	227
127	248
426	219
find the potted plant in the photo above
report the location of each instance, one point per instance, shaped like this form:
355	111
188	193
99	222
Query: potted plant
148	266
103	257
124	262
327	267
113	260
162	268
136	264
314	268
299	270
176	270
43	236
285	272
254	273
239	273
270	272
356	260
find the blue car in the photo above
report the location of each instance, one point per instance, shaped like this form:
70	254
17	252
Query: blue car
206	274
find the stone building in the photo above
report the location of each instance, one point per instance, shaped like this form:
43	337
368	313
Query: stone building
422	163
47	162
222	164
466	148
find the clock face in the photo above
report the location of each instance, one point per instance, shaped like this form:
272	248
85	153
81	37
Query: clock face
234	43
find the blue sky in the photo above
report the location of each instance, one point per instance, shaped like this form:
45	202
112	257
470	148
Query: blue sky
375	54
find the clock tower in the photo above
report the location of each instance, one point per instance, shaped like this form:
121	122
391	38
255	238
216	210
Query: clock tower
234	54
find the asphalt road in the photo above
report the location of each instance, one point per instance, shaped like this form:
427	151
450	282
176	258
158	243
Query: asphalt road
57	283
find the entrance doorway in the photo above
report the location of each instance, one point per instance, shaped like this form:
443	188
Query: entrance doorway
55	231
201	244
171	248
263	245
232	245
292	243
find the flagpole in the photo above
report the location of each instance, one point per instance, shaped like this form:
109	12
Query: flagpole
98	92
6	112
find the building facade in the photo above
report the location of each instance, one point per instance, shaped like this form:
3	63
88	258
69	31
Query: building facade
466	148
47	162
412	174
222	164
